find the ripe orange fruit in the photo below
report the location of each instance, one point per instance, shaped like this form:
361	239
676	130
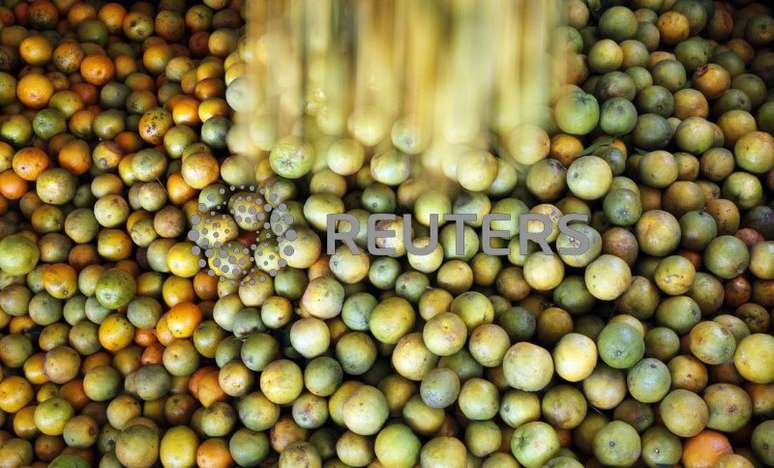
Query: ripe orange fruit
34	90
29	162
97	69
183	318
703	449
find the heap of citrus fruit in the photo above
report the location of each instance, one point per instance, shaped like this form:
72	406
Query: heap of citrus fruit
149	316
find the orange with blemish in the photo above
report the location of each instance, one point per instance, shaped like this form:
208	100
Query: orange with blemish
115	332
183	318
112	16
97	69
29	162
34	90
60	280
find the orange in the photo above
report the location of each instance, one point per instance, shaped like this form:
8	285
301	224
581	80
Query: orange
36	50
97	69
154	124
60	280
712	80
163	334
565	148
199	43
15	393
24	423
81	12
114	244
742	48
200	170
42	14
140	82
170	25
214	453
222	42
74	394
205	286
58	80
112	15
185	111
33	369
29	162
156	57
80	123
145	338
100	358
213	107
21	324
703	449
209	68
129	142
56	142
48	447
88	94
152	354
732	460
209	390
107	155
12	186
115	332
75	156
210	88
129	266
183	318
673	26
178	191
188	81
125	66
176	290
34	90
196	378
